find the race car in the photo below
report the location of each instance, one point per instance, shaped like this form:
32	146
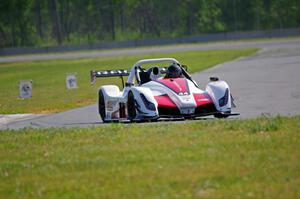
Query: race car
161	92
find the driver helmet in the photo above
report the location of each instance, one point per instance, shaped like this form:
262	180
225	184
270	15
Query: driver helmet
173	71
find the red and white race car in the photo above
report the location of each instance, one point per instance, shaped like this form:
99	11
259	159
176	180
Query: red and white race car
161	92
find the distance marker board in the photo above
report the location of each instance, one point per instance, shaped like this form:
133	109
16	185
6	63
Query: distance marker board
25	89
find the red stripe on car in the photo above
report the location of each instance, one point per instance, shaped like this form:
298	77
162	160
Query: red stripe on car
164	101
178	85
202	99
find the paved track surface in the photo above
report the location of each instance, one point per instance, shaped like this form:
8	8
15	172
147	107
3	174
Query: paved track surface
153	49
265	83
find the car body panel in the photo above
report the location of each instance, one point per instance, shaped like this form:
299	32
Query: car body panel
156	96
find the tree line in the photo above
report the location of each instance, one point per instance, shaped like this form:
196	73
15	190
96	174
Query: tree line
59	22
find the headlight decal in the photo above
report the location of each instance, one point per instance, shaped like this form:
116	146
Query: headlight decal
224	100
149	105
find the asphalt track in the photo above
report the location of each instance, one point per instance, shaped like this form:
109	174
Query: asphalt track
265	83
153	49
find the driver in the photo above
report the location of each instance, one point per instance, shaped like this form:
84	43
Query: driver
173	71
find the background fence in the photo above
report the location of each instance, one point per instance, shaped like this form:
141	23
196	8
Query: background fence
151	42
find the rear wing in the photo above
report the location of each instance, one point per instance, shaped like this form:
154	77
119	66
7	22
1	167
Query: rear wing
121	73
108	73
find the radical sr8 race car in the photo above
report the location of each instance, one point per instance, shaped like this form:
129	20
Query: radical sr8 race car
160	92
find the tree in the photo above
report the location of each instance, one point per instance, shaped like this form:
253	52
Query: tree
36	22
56	26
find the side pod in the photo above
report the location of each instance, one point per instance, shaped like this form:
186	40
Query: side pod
109	103
219	91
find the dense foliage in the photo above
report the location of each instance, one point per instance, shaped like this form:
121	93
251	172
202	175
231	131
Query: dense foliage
51	22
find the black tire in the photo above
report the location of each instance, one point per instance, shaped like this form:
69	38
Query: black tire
220	116
131	107
101	107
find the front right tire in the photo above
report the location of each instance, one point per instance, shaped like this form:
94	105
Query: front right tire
131	107
220	116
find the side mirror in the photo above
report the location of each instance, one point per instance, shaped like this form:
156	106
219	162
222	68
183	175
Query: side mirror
155	70
214	79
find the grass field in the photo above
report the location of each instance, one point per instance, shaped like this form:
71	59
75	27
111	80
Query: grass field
257	158
49	90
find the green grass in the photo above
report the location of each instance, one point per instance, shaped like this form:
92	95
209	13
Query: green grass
257	158
51	95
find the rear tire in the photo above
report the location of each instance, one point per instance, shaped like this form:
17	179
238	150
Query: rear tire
101	107
131	107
